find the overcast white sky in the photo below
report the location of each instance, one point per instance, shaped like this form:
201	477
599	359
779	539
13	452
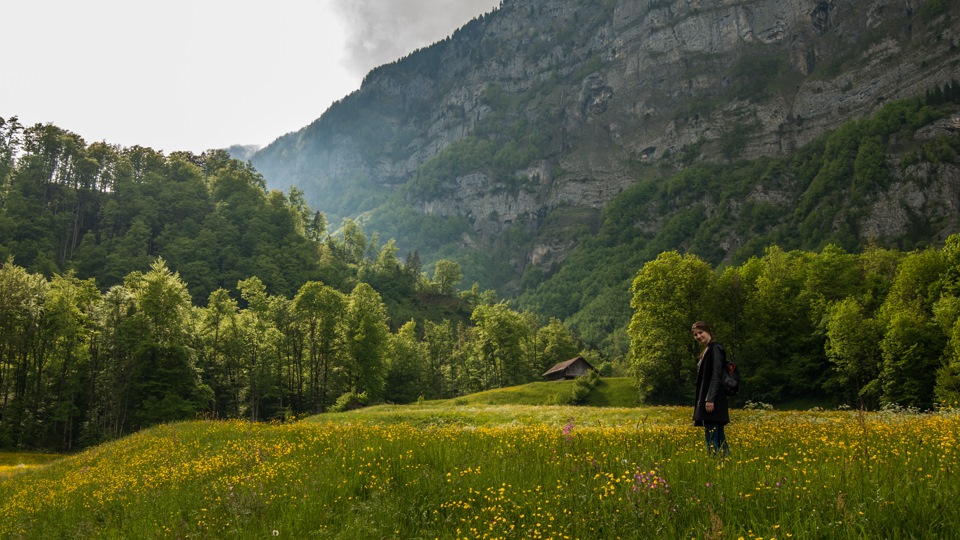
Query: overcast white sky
201	74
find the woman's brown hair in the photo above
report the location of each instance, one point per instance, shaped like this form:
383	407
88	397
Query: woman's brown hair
700	325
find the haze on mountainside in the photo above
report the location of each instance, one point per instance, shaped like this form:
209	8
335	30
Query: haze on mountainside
382	32
378	33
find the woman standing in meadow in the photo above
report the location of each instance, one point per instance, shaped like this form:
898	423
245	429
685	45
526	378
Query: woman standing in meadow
710	409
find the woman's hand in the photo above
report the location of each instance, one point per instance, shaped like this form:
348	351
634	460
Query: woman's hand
708	406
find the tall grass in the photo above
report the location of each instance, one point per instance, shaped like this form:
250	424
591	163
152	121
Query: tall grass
15	462
472	471
609	392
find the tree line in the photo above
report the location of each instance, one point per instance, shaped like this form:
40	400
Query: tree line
78	366
105	211
875	329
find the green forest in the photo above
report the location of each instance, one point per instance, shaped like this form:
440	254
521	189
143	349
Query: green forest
872	330
138	288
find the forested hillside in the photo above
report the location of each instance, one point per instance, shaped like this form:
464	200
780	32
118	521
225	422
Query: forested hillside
105	212
140	288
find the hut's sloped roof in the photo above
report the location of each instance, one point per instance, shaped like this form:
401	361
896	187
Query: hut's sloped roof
562	366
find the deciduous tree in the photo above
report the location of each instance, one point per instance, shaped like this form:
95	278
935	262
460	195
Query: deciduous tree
669	294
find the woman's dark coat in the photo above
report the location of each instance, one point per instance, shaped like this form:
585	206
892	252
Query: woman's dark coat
709	387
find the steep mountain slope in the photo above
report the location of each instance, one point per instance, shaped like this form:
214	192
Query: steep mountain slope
500	145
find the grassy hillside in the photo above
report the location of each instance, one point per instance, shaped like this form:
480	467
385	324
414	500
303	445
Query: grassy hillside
613	401
15	462
515	471
614	392
609	392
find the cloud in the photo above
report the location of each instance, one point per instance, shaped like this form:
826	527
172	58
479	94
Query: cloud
379	32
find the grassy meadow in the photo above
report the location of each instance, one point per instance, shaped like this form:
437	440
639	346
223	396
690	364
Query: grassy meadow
469	469
12	462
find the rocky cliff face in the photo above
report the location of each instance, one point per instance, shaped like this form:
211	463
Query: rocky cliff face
589	93
931	190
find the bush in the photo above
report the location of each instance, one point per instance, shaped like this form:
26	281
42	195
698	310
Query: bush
350	401
582	387
757	406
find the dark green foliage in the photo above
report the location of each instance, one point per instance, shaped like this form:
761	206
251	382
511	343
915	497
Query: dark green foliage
106	211
912	352
473	155
866	330
437	175
164	386
669	294
734	141
757	72
581	390
932	8
350	401
851	347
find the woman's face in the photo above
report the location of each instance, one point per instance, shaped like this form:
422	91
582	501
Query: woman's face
701	336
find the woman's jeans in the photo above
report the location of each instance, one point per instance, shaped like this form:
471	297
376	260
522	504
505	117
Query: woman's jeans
715	439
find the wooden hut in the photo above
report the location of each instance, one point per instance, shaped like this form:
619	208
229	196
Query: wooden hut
569	369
